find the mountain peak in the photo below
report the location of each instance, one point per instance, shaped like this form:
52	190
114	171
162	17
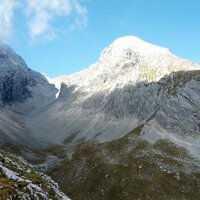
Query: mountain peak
137	45
130	47
10	60
6	48
127	60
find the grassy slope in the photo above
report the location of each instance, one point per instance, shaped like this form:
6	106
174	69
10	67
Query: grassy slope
15	190
128	168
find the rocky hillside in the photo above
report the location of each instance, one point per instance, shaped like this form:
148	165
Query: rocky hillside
18	180
15	77
131	80
23	92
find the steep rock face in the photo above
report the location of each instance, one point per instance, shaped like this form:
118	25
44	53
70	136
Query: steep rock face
23	92
14	88
178	119
16	77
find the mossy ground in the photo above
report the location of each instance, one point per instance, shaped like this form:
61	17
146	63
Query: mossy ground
128	168
7	187
13	189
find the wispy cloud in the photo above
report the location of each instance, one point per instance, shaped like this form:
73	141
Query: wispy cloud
7	8
41	16
81	15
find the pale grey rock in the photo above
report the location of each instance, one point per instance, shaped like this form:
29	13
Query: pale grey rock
14	170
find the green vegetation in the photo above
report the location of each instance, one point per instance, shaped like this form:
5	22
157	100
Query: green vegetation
17	189
7	187
22	184
128	168
34	178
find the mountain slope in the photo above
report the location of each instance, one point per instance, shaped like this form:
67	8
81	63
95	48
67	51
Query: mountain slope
18	180
114	95
128	168
23	92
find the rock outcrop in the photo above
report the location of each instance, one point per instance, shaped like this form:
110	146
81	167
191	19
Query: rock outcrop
18	180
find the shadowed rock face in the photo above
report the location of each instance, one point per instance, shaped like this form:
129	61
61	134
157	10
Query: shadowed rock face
14	87
16	79
22	93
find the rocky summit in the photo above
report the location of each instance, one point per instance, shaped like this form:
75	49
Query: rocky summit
126	127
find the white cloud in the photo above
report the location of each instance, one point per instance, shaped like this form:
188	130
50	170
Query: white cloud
42	13
41	16
6	16
81	17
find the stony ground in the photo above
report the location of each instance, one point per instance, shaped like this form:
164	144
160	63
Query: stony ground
18	180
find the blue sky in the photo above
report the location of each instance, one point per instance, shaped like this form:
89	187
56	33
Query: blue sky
64	36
